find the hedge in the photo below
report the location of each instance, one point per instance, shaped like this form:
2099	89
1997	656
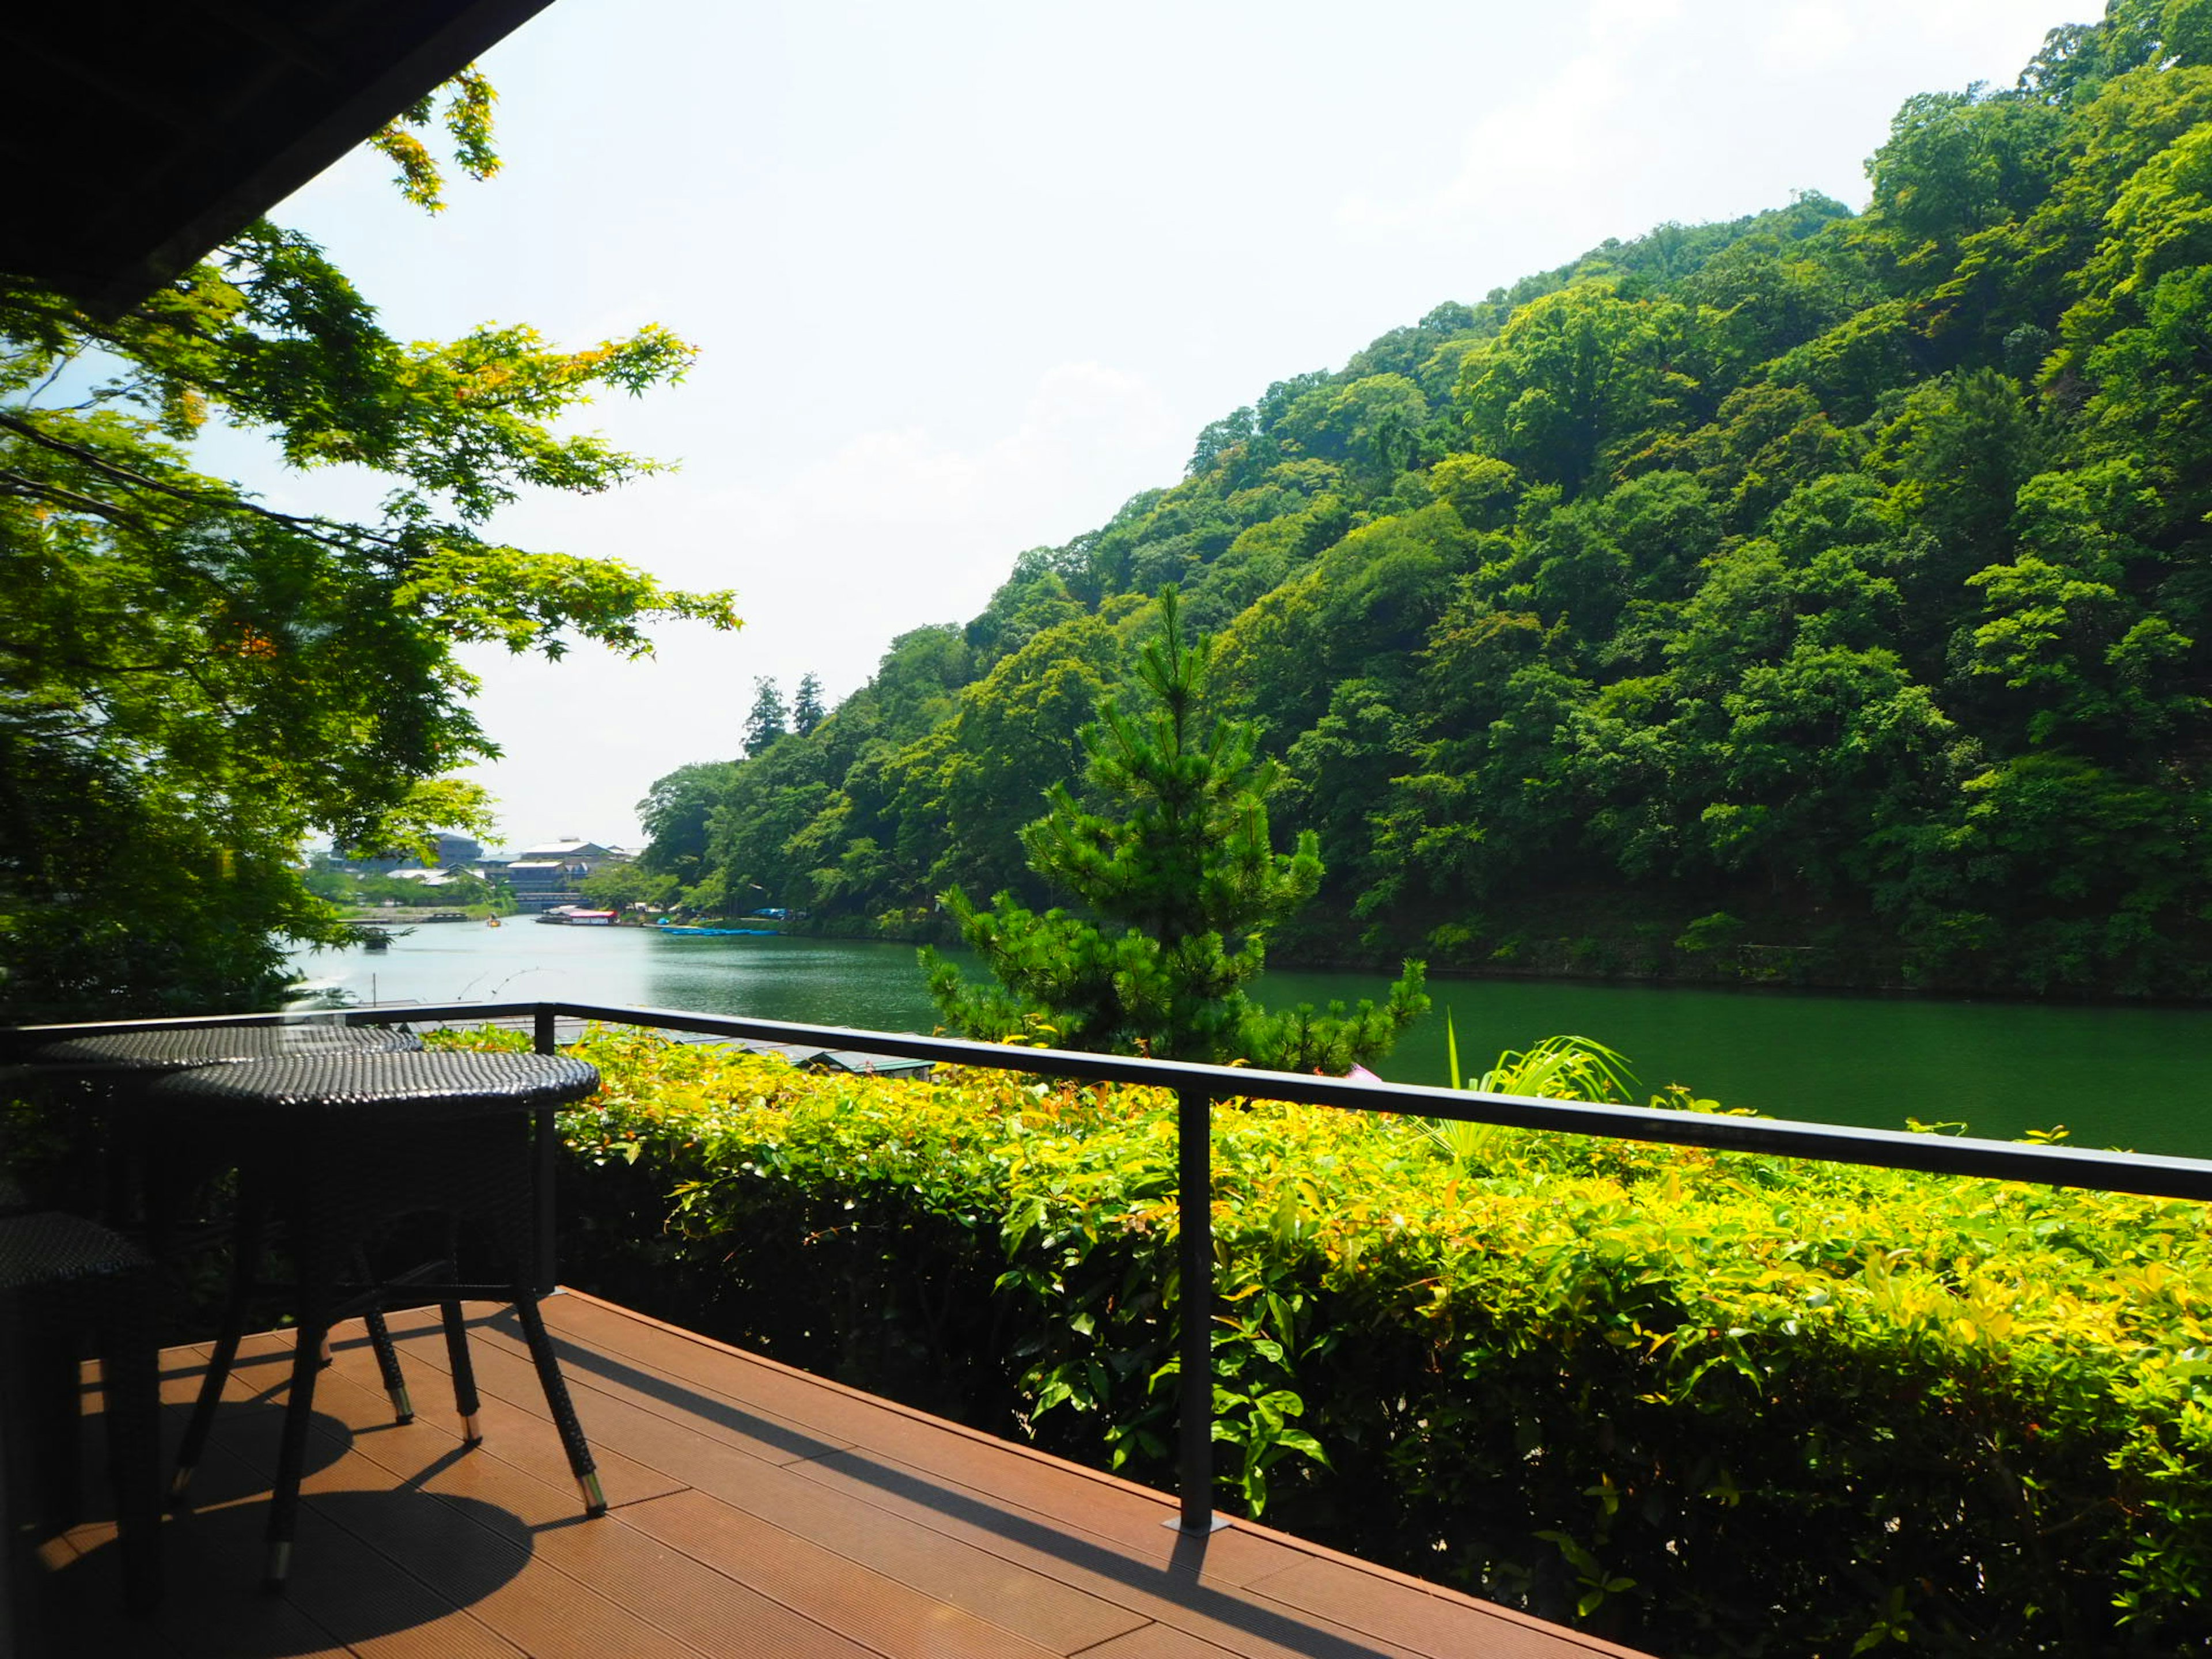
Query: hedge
1701	1403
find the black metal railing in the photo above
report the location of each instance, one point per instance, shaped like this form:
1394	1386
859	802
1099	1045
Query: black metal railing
1197	1087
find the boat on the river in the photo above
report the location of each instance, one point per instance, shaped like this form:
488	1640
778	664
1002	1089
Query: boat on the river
719	933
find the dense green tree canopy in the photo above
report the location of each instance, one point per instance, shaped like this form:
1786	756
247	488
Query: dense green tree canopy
1831	584
190	682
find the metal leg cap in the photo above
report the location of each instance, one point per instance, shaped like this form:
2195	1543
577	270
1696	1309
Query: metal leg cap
181	1484
1213	1523
471	1431
595	1497
403	1407
278	1569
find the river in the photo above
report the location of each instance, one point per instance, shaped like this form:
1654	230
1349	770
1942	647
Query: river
2128	1076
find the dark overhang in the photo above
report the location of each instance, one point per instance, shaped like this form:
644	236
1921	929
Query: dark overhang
139	136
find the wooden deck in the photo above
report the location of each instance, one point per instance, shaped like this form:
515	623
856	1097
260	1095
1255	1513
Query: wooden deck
758	1513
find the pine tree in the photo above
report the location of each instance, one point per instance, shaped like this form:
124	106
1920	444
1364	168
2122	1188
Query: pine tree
1178	895
769	718
807	711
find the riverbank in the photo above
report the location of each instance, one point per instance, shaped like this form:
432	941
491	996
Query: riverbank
1710	953
411	915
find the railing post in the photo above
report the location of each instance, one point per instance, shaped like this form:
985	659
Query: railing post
1194	1262
549	1148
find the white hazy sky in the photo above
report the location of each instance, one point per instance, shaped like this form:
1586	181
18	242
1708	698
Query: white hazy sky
968	276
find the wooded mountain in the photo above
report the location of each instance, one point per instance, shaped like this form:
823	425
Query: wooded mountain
1817	596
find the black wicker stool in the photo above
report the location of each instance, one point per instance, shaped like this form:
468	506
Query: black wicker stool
335	1146
60	1277
147	1160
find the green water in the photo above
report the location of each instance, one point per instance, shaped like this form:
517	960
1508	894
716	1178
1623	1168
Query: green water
2117	1077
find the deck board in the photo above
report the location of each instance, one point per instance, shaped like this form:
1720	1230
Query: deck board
838	1593
1125	1519
756	1511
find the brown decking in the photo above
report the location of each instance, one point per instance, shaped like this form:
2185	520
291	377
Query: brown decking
758	1511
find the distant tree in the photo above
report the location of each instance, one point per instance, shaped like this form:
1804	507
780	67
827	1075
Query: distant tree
1571	375
618	886
675	813
772	800
462	887
1014	736
769	719
459	888
918	677
338	886
1371	424
1218	439
807	710
1183	888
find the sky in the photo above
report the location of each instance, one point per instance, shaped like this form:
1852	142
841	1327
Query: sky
965	279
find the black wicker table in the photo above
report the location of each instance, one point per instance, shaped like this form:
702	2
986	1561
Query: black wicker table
151	1168
335	1147
159	1051
146	1167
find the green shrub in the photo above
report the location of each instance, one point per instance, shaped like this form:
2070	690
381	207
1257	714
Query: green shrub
1716	931
1702	1403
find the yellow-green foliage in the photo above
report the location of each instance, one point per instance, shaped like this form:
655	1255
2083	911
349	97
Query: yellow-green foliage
1705	1403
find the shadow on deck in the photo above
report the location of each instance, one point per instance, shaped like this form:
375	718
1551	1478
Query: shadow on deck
757	1512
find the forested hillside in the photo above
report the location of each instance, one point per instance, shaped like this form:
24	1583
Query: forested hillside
1819	596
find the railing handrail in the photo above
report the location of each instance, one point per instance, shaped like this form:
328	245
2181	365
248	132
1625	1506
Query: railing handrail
1197	1085
2143	1174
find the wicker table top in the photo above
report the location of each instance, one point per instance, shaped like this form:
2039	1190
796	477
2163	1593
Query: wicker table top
46	1248
443	1085
180	1049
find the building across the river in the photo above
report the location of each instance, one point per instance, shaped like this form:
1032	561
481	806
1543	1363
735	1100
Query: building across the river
552	873
572	850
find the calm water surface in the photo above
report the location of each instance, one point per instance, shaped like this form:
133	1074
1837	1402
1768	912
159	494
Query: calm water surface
2117	1077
